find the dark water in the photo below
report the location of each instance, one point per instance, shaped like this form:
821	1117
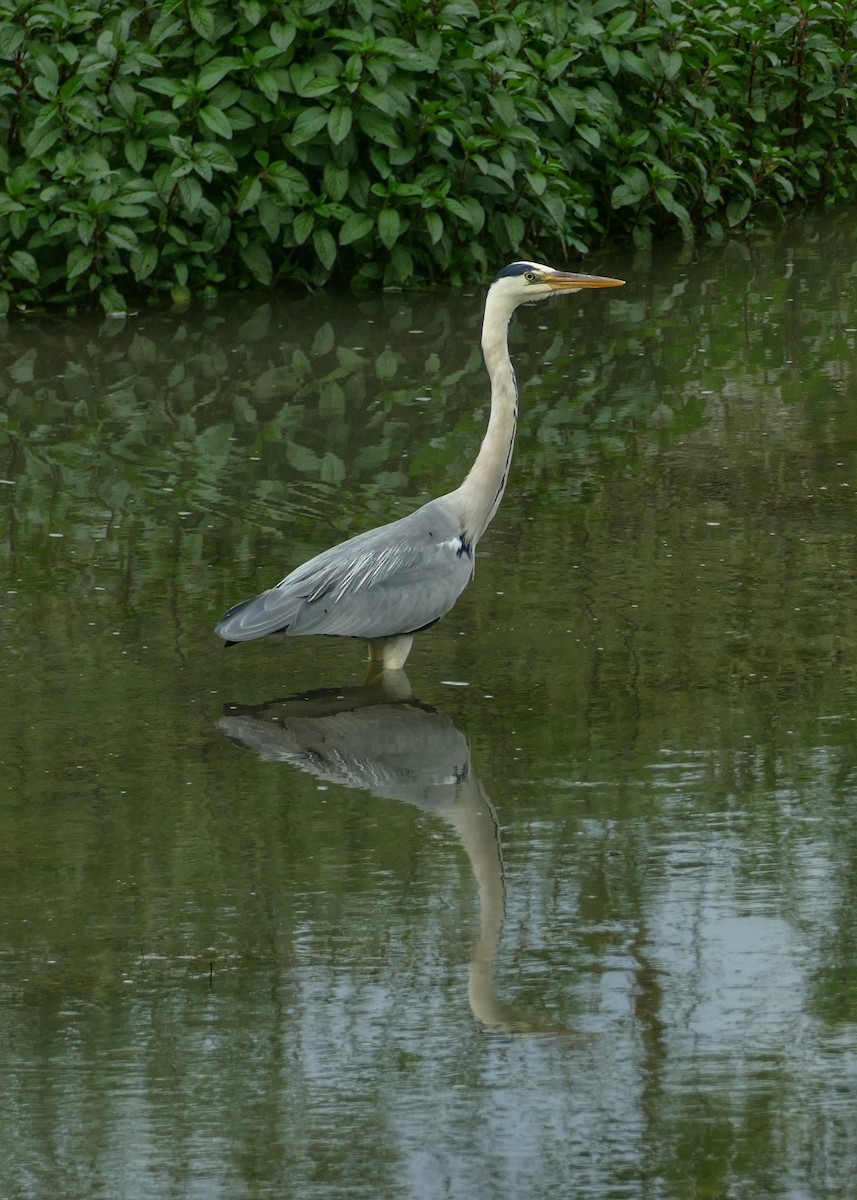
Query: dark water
575	915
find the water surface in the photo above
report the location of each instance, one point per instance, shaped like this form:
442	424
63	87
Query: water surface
569	911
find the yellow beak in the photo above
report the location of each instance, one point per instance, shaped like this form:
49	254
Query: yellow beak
565	281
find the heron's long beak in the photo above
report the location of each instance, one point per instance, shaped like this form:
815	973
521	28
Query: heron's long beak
565	281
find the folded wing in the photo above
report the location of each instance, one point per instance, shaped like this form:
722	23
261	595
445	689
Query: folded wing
397	579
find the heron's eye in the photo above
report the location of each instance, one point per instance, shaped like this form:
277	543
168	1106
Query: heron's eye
530	276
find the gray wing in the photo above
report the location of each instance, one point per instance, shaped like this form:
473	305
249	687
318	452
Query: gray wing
396	579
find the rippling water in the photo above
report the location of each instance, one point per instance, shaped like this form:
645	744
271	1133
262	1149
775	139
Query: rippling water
568	912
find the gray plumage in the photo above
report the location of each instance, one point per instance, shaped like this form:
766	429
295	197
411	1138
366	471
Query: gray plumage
392	582
398	578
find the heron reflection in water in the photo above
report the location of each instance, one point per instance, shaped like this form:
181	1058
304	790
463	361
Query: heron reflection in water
393	582
380	738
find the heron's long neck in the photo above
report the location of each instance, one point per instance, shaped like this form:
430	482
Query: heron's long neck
480	494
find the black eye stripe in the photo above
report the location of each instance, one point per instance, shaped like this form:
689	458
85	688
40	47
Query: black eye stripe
518	268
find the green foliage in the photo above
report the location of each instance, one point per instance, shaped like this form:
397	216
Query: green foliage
190	145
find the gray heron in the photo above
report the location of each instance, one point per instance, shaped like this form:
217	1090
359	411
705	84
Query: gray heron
395	581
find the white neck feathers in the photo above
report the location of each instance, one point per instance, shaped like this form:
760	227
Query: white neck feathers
480	495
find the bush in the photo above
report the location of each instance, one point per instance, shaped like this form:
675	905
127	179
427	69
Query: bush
192	145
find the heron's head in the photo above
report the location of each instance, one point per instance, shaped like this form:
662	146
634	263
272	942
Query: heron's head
528	282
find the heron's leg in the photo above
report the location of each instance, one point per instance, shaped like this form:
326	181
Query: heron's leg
390	654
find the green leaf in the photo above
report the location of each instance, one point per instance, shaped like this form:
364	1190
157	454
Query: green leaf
143	262
504	107
405	54
253	12
136	152
289	182
40	140
85	229
122	236
281	35
389	224
190	191
201	18
669	202
8	205
215	70
309	122
354	227
588	27
621	24
25	265
248	195
378	127
112	300
164	87
79	260
302	226
737	209
339	124
622	195
216	156
325	247
469	210
224	96
301	458
168	25
515	229
379	98
123	97
257	260
335	181
636	182
555	206
786	185
216	121
332	469
268	211
46	85
315	85
611	58
268	84
537	182
673	65
203	169
10	38
589	134
434	224
635	65
564	100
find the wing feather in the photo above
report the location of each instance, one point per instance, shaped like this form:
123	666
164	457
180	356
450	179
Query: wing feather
396	579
